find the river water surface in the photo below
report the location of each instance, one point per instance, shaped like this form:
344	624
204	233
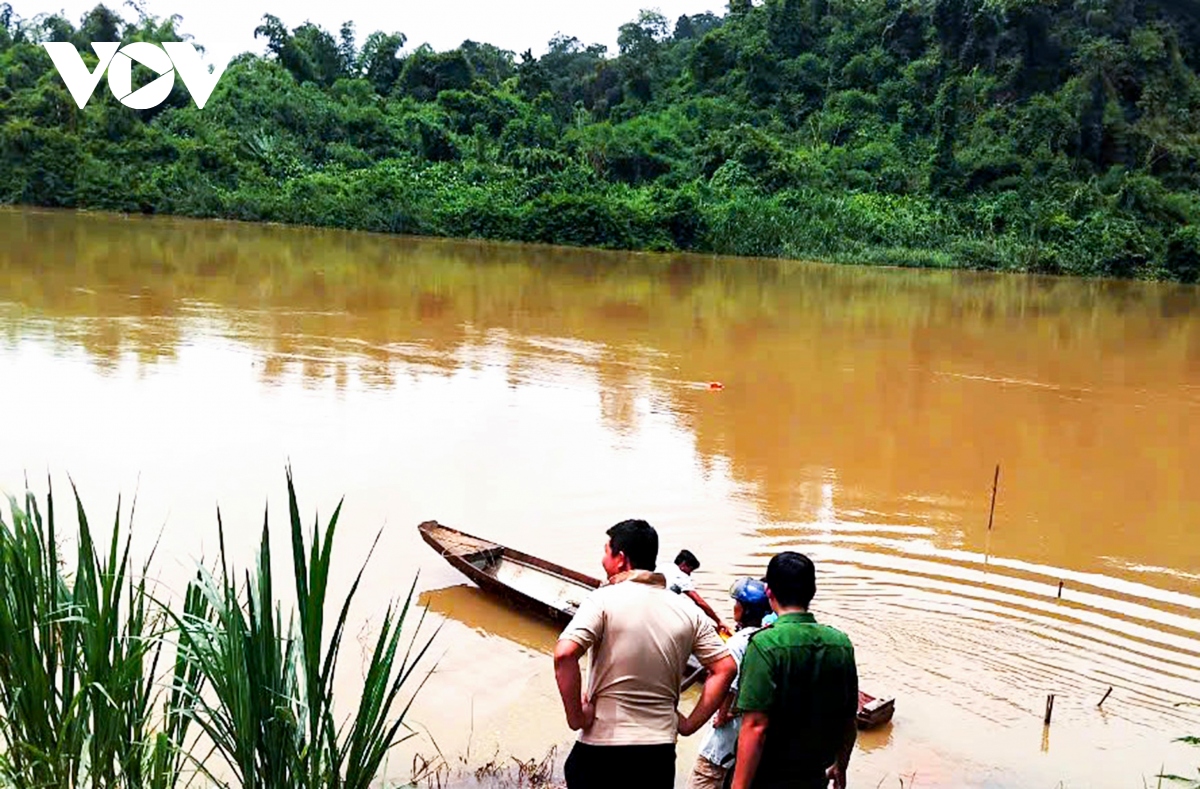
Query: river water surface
535	396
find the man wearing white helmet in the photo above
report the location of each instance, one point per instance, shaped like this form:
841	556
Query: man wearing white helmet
719	748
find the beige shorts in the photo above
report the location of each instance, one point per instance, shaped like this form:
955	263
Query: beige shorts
706	775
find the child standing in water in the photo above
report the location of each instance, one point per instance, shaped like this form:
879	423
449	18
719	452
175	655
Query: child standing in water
717	753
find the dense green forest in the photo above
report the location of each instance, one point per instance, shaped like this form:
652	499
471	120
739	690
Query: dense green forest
1056	136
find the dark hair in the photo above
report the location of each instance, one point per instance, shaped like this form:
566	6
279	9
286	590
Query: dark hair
792	579
637	540
687	557
753	613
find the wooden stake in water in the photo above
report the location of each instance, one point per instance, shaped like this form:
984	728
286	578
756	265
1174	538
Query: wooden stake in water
1060	586
1049	708
995	483
1101	704
987	540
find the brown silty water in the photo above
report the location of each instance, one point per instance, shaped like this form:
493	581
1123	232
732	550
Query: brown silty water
535	396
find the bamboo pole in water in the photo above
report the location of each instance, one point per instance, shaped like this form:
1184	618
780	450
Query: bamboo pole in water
987	542
1049	708
995	483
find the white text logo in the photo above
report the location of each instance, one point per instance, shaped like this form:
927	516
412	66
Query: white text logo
118	61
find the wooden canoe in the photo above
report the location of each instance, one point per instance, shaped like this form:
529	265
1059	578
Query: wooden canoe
548	589
555	592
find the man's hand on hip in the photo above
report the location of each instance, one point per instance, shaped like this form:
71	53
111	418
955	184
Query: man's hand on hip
589	713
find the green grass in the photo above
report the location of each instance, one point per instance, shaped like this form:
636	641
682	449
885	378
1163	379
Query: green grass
83	702
77	693
1183	781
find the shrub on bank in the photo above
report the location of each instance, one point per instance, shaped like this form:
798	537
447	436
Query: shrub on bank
476	201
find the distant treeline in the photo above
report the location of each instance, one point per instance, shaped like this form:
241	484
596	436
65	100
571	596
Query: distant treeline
1056	136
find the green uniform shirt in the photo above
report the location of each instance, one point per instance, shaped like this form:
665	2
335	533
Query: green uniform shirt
802	675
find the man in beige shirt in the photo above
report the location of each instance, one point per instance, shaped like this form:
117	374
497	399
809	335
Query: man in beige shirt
640	636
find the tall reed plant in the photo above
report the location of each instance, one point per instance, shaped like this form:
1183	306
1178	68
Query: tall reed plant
84	703
270	711
79	700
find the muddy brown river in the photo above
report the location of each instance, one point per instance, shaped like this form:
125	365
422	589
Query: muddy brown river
537	395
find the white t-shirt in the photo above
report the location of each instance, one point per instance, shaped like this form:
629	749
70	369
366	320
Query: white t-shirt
640	636
677	580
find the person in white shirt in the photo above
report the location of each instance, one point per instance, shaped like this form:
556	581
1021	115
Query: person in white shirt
639	636
720	747
679	581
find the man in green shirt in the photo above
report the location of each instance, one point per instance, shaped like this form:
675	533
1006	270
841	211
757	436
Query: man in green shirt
798	691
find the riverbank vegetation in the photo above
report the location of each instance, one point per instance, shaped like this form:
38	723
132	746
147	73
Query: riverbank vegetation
1057	137
103	684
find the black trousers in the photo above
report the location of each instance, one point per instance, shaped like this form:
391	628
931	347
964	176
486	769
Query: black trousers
624	766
